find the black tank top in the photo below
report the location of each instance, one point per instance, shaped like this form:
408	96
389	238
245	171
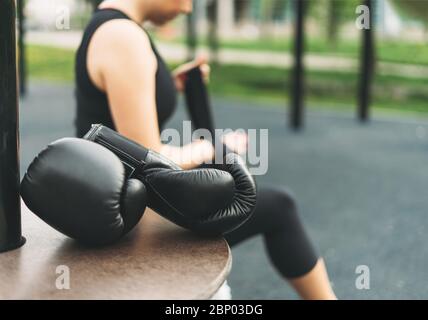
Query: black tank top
92	103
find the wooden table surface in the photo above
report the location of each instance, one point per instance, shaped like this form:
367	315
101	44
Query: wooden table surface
158	260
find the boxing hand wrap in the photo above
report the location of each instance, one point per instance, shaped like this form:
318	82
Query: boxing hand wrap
207	201
199	107
80	189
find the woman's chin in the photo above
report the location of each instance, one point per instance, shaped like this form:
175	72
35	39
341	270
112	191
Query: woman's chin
161	21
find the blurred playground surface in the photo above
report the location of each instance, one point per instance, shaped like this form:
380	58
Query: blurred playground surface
361	189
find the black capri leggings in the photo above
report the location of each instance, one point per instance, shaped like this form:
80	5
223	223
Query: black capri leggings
276	218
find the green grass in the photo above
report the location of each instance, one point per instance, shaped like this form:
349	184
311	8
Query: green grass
50	63
268	86
324	89
387	51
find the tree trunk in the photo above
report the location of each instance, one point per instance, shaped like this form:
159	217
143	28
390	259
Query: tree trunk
333	21
213	41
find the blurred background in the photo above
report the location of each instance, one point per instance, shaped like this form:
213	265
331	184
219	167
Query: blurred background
254	34
361	185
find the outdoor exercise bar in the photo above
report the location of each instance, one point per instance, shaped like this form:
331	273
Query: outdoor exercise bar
10	206
297	82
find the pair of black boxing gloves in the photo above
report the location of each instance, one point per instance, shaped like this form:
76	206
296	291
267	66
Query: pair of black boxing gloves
96	189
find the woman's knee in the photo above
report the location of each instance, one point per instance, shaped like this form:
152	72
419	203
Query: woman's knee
282	205
283	198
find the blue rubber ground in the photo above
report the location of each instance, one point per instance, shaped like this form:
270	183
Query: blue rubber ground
362	191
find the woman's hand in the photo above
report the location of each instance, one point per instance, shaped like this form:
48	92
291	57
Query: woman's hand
191	155
180	73
236	141
200	151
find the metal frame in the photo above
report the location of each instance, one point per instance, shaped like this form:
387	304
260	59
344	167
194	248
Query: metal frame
366	68
192	36
22	57
10	205
296	117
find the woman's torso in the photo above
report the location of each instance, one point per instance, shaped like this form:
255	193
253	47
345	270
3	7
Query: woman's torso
92	103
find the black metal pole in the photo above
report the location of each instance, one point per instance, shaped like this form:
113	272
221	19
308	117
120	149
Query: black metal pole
213	37
297	81
366	68
192	37
10	209
22	66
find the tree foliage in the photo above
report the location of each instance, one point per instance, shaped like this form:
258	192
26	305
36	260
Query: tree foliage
413	8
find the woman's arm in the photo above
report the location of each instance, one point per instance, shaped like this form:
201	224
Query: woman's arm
122	64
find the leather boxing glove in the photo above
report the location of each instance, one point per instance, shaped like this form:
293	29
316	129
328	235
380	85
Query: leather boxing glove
81	189
207	201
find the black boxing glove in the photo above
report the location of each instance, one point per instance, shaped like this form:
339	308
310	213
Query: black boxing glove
81	189
207	201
